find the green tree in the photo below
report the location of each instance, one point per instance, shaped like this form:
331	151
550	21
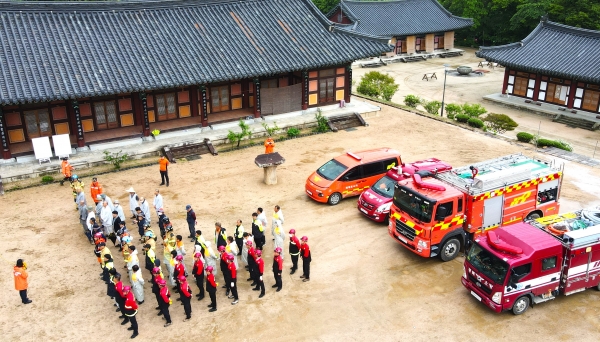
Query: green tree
376	84
499	123
325	5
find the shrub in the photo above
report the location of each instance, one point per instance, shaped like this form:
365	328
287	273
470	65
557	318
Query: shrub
499	123
270	130
473	110
453	110
116	158
47	179
322	125
553	143
524	137
376	84
293	132
412	100
475	122
432	107
462	118
237	137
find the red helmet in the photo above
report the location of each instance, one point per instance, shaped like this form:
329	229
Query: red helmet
162	282
181	278
179	257
259	253
221	248
304	238
156	270
98	235
126	288
197	255
209	269
292	231
230	257
249	242
278	250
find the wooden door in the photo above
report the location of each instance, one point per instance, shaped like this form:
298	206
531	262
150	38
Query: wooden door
399	46
105	114
590	100
556	93
326	90
520	86
165	107
219	98
37	123
419	44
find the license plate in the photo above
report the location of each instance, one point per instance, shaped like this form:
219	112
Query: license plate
401	239
476	296
364	211
308	192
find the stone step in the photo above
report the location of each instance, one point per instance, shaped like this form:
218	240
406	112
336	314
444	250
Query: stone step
576	122
346	121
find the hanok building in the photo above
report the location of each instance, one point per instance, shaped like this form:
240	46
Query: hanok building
556	64
102	71
412	26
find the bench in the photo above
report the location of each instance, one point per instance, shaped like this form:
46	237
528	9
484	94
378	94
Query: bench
451	54
431	76
185	149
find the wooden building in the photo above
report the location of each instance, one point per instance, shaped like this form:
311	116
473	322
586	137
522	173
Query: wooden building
555	63
411	26
102	71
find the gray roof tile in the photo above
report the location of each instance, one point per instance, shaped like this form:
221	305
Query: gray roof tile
552	49
400	17
61	50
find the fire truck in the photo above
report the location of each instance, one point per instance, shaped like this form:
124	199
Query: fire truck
376	201
437	214
532	262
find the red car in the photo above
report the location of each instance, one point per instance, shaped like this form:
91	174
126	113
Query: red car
376	201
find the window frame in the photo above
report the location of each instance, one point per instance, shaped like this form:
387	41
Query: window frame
543	260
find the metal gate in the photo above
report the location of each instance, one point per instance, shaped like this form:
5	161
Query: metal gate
281	100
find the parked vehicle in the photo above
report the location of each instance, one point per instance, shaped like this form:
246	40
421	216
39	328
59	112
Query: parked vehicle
514	267
376	201
350	174
440	214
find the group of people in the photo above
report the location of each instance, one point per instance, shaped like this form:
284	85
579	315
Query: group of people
105	226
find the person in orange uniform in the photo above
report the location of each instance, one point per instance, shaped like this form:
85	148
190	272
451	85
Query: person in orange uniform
211	288
260	268
131	308
185	293
20	273
66	169
165	302
95	190
306	258
163	164
269	145
277	269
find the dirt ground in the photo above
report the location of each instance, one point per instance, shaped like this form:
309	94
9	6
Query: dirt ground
363	283
472	89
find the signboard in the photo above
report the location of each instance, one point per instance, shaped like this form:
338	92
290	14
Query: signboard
41	148
62	145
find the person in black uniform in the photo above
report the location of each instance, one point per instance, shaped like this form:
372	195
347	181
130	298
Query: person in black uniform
258	231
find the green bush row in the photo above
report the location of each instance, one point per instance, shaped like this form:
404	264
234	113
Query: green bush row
524	137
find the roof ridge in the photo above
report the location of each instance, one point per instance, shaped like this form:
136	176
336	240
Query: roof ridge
108	5
568	28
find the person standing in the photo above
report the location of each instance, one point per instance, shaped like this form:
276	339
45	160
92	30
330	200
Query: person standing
83	215
239	234
251	263
119	210
245	249
277	269
198	272
191	220
163	166
179	246
21	281
88	222
294	250
145	209
131	308
258	231
224	269
66	169
95	189
185	293
109	201
232	278
133	201
211	288
137	283
220	235
165	297
306	259
76	185
210	257
233	249
116	220
260	268
106	219
158	201
277	215
262	217
157	277
150	257
279	234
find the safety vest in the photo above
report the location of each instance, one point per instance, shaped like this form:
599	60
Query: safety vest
227	249
109	265
277	230
239	232
223	236
206	251
260	226
151	255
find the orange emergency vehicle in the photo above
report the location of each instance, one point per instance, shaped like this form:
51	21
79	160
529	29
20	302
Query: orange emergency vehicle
350	174
437	215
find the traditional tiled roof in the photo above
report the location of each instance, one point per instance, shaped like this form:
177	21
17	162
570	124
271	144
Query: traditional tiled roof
65	50
552	49
399	18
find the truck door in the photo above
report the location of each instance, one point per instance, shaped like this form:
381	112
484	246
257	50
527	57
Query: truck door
492	212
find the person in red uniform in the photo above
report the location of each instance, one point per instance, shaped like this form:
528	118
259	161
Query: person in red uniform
211	288
306	259
260	267
232	278
186	296
165	297
156	278
198	272
277	268
131	308
179	270
251	262
224	269
294	250
120	299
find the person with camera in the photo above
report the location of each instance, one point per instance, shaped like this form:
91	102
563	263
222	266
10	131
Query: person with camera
21	281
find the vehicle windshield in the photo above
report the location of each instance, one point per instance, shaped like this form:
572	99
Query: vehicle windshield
418	207
487	263
331	170
384	187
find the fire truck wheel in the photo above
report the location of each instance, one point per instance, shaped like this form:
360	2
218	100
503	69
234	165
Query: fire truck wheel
521	305
532	216
450	249
335	198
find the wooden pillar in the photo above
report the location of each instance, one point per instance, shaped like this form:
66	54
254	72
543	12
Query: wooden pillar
505	83
429	42
449	40
203	106
536	87
348	82
245	94
3	139
410	44
73	109
144	114
572	91
256	97
194	100
304	90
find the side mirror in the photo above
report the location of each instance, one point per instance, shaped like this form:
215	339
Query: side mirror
441	214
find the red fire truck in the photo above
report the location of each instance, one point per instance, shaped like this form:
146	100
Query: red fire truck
437	215
376	201
513	267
